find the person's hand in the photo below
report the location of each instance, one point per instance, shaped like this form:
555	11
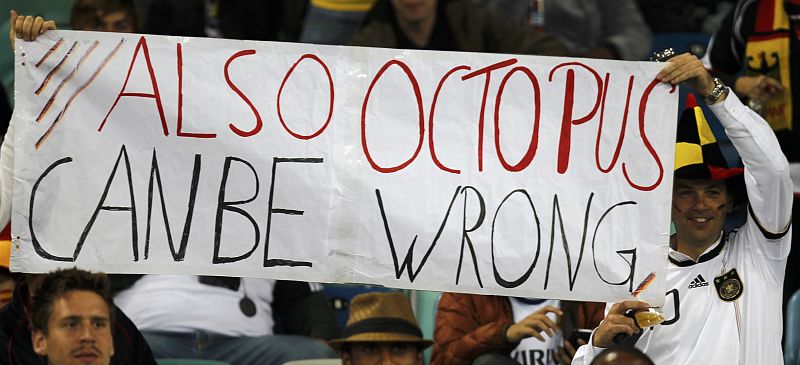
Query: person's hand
27	27
758	88
565	353
616	322
532	325
687	69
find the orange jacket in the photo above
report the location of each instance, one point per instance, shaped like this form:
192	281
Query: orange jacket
468	325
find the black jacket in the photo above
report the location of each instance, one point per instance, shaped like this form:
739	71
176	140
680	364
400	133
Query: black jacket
16	348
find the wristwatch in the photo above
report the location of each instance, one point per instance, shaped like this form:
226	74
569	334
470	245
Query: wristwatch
716	93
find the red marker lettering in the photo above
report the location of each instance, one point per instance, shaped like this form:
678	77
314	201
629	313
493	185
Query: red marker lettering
421	117
528	157
642	110
259	123
330	105
142	45
621	130
180	132
430	119
567	120
481	122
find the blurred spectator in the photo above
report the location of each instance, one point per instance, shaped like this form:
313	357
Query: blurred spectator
104	16
620	355
757	49
449	25
692	16
333	21
242	19
228	319
477	329
130	348
589	28
381	329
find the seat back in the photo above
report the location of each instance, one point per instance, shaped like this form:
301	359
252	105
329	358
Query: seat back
189	362
791	350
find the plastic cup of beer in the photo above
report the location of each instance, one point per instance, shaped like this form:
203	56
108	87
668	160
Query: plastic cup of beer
649	318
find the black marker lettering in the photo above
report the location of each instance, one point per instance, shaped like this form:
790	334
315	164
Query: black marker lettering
268	262
408	260
465	236
37	246
223	206
132	208
155	176
513	284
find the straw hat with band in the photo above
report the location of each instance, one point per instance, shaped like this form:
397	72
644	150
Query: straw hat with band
381	317
697	152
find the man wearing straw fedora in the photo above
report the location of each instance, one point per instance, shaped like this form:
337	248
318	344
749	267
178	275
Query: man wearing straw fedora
381	329
723	300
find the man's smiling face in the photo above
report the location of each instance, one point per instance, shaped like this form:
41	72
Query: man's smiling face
699	209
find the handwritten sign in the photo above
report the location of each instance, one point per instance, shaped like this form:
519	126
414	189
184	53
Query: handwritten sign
484	173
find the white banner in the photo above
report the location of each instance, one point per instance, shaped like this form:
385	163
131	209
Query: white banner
484	173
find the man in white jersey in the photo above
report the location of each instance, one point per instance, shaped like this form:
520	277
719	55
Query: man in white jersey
723	300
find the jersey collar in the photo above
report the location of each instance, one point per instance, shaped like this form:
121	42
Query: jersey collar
681	260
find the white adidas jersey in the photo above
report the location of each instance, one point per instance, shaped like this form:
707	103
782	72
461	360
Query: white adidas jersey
700	327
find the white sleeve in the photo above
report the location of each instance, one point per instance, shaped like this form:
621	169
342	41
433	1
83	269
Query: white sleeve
586	353
767	176
6	175
769	186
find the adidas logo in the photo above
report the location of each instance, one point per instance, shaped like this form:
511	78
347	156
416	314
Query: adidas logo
698	282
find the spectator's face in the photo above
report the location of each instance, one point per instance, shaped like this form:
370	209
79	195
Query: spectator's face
699	209
118	22
78	331
414	10
380	353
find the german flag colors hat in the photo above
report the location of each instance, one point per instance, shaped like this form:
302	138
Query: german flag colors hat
697	153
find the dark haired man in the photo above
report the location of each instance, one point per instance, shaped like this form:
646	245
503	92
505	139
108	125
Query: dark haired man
18	342
622	355
104	16
724	288
15	321
71	315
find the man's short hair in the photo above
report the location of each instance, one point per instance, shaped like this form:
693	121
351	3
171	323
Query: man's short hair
58	283
86	11
627	354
